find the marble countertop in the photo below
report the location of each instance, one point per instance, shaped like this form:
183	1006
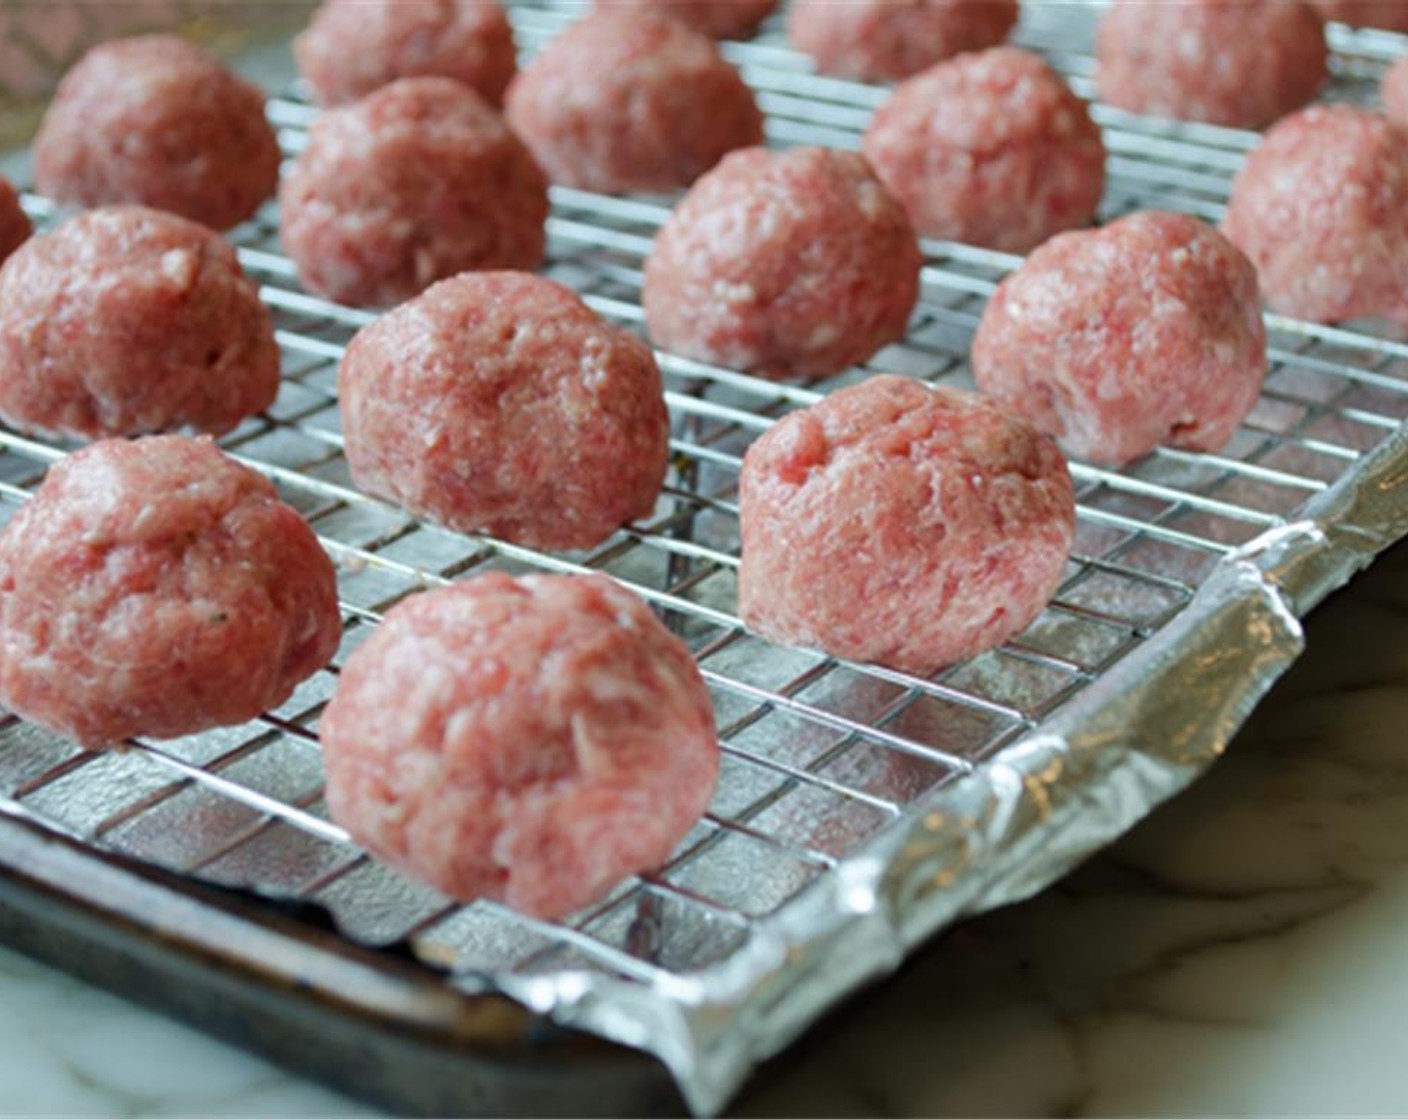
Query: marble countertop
1240	953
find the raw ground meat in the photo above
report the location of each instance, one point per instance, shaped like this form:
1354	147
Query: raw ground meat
1241	63
1321	207
628	99
1392	15
719	19
353	47
532	740
783	264
1394	92
416	182
498	402
125	320
991	148
156	587
1118	339
15	226
901	524
885	40
159	121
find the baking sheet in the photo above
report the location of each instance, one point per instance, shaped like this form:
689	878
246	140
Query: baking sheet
860	809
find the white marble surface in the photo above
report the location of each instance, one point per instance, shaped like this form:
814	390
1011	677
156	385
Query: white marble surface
1241	953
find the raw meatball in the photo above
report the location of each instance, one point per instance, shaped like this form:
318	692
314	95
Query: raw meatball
353	47
783	264
630	100
532	740
901	524
15	226
157	587
1321	207
719	19
885	40
415	182
498	402
991	148
1118	339
1394	92
158	121
1392	15
125	320
1242	63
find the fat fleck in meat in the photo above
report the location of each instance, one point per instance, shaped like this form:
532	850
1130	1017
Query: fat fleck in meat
901	524
532	740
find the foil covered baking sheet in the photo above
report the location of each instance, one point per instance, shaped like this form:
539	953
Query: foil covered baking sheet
860	809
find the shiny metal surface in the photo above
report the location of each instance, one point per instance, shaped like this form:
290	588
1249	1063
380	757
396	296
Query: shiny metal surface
860	808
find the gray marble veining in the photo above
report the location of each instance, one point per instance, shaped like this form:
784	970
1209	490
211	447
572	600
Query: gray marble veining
1238	953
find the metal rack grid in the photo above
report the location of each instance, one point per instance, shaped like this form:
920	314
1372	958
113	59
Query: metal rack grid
821	757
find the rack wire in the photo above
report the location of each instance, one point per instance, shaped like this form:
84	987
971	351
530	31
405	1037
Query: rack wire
821	756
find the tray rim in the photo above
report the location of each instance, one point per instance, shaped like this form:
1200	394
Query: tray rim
234	963
135	909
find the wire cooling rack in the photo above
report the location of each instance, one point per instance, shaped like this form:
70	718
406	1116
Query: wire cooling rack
822	758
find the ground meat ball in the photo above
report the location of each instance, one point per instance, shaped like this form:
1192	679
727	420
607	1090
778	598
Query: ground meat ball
719	19
991	148
901	524
15	226
353	47
125	320
885	40
499	402
1321	207
784	264
532	740
630	100
1242	63
158	121
1394	91
1392	15
157	587
417	181
1118	339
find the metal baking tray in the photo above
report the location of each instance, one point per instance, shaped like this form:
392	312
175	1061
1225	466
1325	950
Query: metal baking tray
860	809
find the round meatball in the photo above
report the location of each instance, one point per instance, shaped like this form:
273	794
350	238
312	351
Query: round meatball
719	19
498	402
1242	63
901	524
1118	339
156	587
1391	15
15	226
1394	92
630	100
783	264
125	320
531	740
885	40
353	47
1321	207
159	121
991	148
416	182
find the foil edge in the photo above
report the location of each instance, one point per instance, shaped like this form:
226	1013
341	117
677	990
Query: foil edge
1138	735
713	1027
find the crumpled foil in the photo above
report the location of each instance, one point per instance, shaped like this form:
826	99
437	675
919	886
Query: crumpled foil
1133	739
1028	814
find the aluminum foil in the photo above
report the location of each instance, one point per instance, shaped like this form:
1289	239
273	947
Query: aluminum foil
1133	739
